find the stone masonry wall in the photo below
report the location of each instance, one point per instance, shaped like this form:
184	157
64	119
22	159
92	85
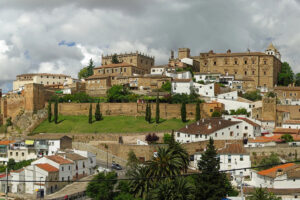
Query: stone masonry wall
167	111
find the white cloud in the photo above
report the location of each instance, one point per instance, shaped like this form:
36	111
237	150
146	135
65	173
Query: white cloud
31	30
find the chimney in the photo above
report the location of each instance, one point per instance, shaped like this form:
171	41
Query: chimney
209	126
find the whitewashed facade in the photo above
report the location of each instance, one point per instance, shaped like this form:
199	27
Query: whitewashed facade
204	90
182	86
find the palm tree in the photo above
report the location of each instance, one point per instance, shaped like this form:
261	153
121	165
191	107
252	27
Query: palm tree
166	163
178	150
140	184
177	189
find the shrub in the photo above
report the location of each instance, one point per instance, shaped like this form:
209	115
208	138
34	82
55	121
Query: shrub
151	138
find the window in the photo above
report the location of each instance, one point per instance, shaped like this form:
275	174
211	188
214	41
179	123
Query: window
229	158
216	134
62	168
11	153
211	110
23	154
265	73
245	72
253	72
68	178
265	62
178	134
235	72
83	165
215	63
69	168
231	133
241	158
124	69
246	127
245	62
17	154
237	127
197	135
235	62
62	178
130	60
253	62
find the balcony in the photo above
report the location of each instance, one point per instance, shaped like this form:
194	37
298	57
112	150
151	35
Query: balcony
41	146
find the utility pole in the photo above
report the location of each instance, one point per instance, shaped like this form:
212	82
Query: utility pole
242	192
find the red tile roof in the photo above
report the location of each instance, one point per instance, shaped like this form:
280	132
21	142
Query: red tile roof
292	122
207	126
279	130
59	159
7	142
3	175
248	121
272	172
182	80
265	139
235	148
47	167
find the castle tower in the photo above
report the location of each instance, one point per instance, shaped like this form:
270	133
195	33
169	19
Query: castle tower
271	50
183	53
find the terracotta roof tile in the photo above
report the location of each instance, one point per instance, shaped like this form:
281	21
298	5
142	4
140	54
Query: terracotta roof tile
279	130
272	172
47	167
182	80
292	122
73	156
59	159
7	142
207	126
234	148
248	121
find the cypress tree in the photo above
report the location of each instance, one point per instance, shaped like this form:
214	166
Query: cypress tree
49	112
56	112
98	114
149	113
146	115
183	112
198	111
211	183
157	110
90	114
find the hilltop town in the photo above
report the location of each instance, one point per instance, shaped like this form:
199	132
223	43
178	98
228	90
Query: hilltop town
57	130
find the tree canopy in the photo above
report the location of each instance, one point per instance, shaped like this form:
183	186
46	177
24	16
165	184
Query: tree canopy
262	194
286	75
252	96
87	71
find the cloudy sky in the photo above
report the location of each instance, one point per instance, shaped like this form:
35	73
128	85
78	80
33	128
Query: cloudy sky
60	36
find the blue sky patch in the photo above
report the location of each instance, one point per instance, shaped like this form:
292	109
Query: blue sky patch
69	44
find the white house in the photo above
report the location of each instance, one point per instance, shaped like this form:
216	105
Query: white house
207	77
64	165
91	157
217	128
208	90
18	181
182	86
232	156
286	176
41	173
232	102
81	167
249	128
158	70
49	144
229	95
293	124
19	152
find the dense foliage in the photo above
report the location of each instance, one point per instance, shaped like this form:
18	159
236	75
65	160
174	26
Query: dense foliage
98	114
287	138
262	194
79	97
166	86
240	111
87	71
183	112
167	138
216	114
151	138
12	165
252	96
114	59
270	161
286	75
157	110
148	113
119	93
